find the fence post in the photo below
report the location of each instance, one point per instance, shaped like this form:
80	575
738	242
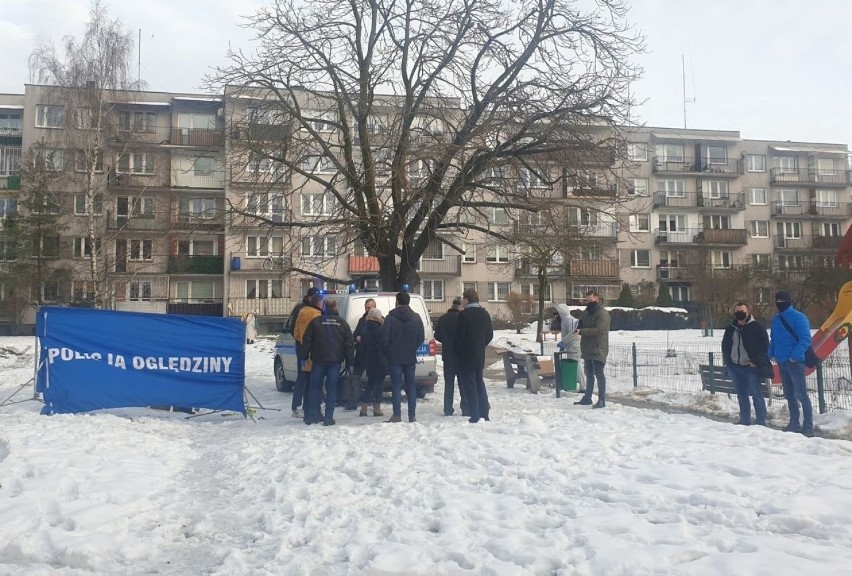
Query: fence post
635	368
820	388
712	374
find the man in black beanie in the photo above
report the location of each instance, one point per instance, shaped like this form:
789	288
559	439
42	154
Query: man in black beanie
789	339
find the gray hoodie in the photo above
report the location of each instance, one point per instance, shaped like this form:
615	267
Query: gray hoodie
569	325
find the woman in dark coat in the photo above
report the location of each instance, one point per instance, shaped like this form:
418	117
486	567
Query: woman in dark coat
376	363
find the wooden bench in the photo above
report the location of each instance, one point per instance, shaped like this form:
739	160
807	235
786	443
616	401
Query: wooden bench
722	383
527	366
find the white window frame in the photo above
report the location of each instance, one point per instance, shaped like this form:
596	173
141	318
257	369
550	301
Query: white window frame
670	152
721	259
144	163
786	164
200	208
717	222
318	246
755	163
50	116
790	230
635	260
53	158
81	204
469	256
637	151
759	228
497	291
322	121
826	198
531	289
317	203
636	221
427	289
264	288
830	229
682	290
830	171
667	219
762	261
673	188
755	195
264	246
498	254
188	291
717	159
140	291
716	189
434	247
140	250
82	247
499	216
638	187
80	162
784	197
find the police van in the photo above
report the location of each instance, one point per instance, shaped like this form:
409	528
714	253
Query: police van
350	305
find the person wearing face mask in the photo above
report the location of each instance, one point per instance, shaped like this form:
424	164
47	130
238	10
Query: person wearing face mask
790	337
744	352
594	347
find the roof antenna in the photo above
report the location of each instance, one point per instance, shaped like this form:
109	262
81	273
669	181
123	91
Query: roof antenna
685	100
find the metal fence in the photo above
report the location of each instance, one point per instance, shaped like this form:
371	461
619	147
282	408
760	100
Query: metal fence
674	368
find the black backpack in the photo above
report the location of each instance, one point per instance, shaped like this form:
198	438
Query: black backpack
556	322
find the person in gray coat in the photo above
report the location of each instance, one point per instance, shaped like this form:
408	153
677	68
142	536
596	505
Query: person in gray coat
570	341
594	347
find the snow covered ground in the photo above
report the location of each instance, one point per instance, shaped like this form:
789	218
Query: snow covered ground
545	488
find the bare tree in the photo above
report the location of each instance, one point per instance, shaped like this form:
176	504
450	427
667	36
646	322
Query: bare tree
86	76
406	107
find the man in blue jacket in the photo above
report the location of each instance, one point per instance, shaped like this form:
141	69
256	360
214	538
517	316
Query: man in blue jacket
787	346
402	335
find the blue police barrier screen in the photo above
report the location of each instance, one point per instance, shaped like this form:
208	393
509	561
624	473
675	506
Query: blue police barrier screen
92	359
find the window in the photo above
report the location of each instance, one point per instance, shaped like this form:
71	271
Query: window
532	178
755	163
717	222
198	208
137	163
670	152
788	197
140	290
86	119
717	155
499	216
53	159
82	207
318	165
637	151
757	196
637	187
497	253
49	116
204	166
640	222
83	247
669	258
82	162
432	290
790	262
321	120
826	198
497	291
8	250
763	295
672	188
531	289
679	293
786	164
762	261
825	166
790	230
137	121
10	122
261	163
10	160
469	286
264	204
434	251
640	258
318	245
265	117
469	255
50	291
262	246
831	229
760	229
141	250
83	291
263	289
49	247
197	291
317	203
720	259
8	208
715	188
672	222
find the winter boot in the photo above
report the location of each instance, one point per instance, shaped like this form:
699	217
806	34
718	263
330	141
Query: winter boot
377	410
394	419
363	411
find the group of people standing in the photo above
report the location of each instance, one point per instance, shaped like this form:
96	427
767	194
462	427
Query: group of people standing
747	353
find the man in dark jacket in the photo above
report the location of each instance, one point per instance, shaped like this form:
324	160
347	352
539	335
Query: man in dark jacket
744	352
302	377
594	347
787	346
327	343
445	333
355	390
473	334
402	335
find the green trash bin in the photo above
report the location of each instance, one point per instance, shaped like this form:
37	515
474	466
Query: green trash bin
568	374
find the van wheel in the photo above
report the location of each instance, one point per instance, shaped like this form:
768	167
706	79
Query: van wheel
281	383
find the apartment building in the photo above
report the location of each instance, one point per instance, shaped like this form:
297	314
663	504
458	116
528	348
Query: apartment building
191	219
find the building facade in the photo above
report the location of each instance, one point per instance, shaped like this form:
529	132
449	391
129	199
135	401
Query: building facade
188	218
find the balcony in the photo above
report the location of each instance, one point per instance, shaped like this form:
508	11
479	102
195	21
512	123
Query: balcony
525	267
812	208
450	264
807	242
593	268
211	307
703	236
693	273
214	223
183	264
244	262
138	222
809	176
591	192
704	201
260	306
688	165
157	178
165	135
363	265
597	230
197	178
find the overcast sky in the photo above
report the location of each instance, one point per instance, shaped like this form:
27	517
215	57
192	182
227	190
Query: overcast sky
772	69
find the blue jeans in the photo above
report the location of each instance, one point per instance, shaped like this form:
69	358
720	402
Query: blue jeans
398	372
747	381
796	392
328	373
594	369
